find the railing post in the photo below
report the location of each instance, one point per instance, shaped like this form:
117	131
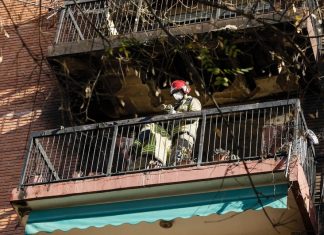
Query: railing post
202	138
138	15
112	151
288	160
294	142
112	30
297	124
57	36
26	162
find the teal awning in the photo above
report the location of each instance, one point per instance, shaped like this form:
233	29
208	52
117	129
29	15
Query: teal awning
151	210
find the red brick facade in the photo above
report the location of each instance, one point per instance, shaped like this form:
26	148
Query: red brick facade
29	97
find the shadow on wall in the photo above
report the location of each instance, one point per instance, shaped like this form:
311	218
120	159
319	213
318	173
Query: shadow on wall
19	116
8	218
28	102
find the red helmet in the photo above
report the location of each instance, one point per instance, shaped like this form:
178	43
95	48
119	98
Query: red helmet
179	85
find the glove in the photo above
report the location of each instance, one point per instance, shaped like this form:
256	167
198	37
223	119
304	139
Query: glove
168	108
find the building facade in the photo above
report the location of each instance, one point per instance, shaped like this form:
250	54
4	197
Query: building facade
29	97
92	151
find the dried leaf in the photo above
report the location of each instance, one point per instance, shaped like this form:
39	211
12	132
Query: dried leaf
158	92
87	92
122	103
298	19
279	68
197	92
218	132
312	116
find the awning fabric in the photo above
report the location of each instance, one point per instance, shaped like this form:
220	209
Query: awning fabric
151	210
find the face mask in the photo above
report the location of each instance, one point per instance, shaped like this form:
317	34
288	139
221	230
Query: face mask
178	96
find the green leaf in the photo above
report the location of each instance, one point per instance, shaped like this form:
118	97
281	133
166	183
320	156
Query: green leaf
216	71
224	81
247	69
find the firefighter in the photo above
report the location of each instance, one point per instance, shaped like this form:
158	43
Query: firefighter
185	130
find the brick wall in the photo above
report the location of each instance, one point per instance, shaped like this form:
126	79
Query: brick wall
28	94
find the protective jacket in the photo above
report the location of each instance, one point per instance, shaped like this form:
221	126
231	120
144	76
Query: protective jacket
154	142
187	126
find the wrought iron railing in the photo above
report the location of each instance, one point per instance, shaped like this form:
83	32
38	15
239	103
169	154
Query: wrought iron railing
89	19
236	133
305	150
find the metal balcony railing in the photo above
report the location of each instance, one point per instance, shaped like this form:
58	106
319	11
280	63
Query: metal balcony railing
306	152
236	133
88	19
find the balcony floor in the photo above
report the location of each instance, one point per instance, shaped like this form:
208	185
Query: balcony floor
183	181
151	184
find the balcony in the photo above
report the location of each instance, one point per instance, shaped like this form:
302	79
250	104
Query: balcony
127	160
94	42
86	26
231	134
122	49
